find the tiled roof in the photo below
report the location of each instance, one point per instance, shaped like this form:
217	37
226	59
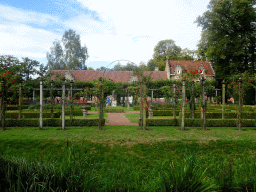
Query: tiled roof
194	65
116	76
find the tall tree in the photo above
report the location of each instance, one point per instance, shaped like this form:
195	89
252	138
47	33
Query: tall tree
151	65
229	36
55	57
75	55
68	53
28	68
8	62
165	48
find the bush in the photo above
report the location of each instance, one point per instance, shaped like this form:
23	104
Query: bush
16	107
162	122
15	115
164	113
51	122
75	112
198	122
218	115
113	110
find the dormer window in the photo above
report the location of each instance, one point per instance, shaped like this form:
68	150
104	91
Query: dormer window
178	72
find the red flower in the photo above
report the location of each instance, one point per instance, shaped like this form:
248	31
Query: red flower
227	86
15	89
14	80
10	87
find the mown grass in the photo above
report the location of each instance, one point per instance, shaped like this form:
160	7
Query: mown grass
123	158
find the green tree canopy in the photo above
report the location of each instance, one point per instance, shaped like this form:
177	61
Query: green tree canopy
168	49
228	36
68	53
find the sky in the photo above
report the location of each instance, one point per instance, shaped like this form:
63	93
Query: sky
110	29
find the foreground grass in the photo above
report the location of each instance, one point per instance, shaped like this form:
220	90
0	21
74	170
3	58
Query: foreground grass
123	158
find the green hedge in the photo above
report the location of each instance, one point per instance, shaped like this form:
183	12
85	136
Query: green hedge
136	108
51	122
218	115
15	115
198	122
164	112
113	110
16	107
75	112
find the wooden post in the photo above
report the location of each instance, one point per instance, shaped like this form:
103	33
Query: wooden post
204	108
141	106
2	87
33	95
240	105
100	104
63	104
144	107
223	99
193	100
183	104
71	100
174	102
20	100
41	104
52	100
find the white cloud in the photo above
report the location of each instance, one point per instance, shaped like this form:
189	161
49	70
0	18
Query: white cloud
134	20
17	15
126	29
21	40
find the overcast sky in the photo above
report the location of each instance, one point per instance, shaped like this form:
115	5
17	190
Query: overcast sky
111	29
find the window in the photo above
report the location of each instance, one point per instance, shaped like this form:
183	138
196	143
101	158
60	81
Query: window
178	71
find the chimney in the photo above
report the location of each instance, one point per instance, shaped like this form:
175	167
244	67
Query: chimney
156	68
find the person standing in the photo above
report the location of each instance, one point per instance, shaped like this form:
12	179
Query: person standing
232	100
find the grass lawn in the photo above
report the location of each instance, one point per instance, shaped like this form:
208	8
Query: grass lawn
123	158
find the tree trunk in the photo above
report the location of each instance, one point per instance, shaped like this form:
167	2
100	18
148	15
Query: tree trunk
223	99
240	105
183	105
20	100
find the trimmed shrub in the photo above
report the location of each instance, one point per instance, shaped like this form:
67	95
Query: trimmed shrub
16	107
164	113
162	122
218	115
113	110
51	122
198	122
15	115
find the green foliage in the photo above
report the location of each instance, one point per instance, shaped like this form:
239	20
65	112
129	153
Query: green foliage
218	115
228	36
113	110
15	107
72	57
56	122
164	112
198	122
14	115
